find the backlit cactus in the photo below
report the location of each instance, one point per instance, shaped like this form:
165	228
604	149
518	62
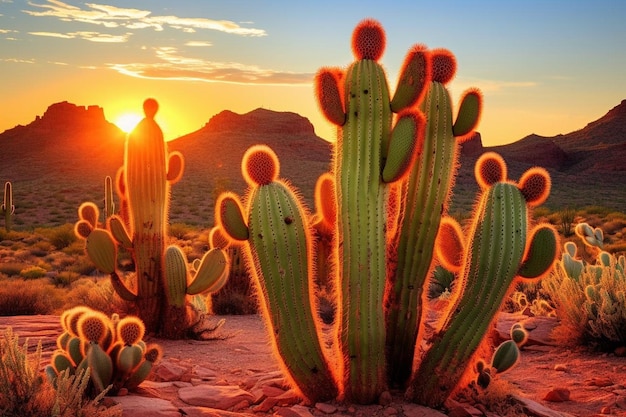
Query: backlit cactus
424	196
278	246
112	349
499	249
163	279
371	152
7	208
386	181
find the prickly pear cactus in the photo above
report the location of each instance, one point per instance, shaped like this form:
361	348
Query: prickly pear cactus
163	279
500	248
112	348
7	208
278	244
371	152
424	195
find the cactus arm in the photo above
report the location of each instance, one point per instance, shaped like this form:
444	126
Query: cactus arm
212	273
450	244
119	232
121	289
329	95
102	250
468	114
406	142
542	252
175	167
413	79
175	275
229	216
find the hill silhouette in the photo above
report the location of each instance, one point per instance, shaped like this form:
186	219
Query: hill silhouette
61	158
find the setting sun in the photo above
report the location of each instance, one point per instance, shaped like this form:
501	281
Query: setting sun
128	121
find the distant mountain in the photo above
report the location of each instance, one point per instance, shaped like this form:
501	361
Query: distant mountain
61	158
213	155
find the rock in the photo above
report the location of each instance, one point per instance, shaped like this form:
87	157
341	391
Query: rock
385	398
539	328
295	411
212	396
599	382
135	406
561	367
533	408
209	412
557	395
414	410
325	408
168	371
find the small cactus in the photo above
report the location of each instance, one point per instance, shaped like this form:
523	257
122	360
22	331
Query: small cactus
7	208
116	357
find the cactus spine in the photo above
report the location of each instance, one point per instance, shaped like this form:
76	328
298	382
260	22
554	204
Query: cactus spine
500	248
279	247
7	207
424	198
162	276
367	146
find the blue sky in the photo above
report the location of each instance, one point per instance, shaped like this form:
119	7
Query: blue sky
544	67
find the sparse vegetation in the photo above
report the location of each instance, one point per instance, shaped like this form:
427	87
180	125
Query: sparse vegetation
25	392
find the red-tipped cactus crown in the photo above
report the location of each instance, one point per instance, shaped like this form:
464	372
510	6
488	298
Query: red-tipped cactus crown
368	40
535	186
260	165
490	169
443	65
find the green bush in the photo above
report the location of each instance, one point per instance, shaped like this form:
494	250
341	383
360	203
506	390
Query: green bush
590	298
33	272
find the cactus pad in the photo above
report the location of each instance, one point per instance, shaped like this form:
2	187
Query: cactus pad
93	327
490	169
130	330
260	165
535	186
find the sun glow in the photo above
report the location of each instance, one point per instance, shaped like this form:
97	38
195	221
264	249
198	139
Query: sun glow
128	121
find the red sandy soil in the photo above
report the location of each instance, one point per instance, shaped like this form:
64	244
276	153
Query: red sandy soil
596	382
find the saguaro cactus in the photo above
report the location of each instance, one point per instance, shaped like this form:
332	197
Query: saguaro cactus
279	246
7	208
424	196
162	275
370	154
499	249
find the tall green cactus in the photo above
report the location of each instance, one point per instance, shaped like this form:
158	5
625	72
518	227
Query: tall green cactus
499	249
162	276
424	197
279	246
374	159
370	154
7	208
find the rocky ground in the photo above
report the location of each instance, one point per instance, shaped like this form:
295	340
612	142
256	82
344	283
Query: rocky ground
236	375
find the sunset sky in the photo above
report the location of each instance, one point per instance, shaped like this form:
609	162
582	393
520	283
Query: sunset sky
544	67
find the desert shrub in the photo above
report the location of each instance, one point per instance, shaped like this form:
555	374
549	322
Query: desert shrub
589	297
12	269
24	391
181	231
237	296
32	272
75	248
566	220
96	294
29	297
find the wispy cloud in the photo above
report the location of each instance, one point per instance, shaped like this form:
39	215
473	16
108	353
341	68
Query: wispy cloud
112	17
175	66
7	30
489	86
88	36
18	60
198	43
